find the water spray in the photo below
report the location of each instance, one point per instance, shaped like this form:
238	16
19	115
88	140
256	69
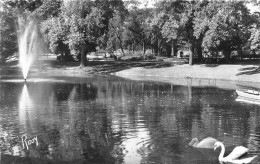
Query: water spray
28	46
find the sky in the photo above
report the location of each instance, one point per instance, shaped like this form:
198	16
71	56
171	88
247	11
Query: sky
253	8
149	3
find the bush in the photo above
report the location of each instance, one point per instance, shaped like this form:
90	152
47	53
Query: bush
131	58
150	56
65	58
159	59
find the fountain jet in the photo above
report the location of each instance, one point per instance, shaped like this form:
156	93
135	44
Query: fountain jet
28	45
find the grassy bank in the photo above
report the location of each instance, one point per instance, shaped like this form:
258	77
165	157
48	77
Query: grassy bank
229	75
225	76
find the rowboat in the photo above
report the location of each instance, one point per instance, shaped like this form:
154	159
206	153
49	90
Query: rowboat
248	100
249	94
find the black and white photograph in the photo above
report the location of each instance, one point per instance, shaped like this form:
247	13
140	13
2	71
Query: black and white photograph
129	82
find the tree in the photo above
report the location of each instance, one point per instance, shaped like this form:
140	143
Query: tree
187	23
54	33
53	27
254	39
48	9
130	39
170	31
87	22
115	33
8	35
156	33
114	37
224	26
19	13
138	26
168	15
179	17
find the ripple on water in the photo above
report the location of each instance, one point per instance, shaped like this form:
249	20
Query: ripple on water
32	80
253	143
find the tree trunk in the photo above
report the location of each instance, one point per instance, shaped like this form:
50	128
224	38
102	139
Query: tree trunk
199	53
198	49
158	48
227	55
191	53
144	49
83	60
173	44
191	58
119	38
121	44
122	49
133	47
240	51
156	51
129	49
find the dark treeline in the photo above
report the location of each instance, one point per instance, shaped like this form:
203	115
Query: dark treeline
74	28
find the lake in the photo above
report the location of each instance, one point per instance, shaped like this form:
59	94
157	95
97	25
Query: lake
105	119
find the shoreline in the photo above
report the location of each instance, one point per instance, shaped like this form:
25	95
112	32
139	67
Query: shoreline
223	76
229	76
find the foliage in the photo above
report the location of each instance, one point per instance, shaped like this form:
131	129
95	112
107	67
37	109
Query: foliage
137	27
84	22
48	8
54	34
114	36
8	37
79	26
156	24
255	39
224	26
255	33
87	22
16	15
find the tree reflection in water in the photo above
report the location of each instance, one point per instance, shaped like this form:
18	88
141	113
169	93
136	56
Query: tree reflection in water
120	121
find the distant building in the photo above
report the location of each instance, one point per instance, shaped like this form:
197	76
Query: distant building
183	54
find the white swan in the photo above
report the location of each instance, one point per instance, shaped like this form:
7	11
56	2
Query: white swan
205	143
234	155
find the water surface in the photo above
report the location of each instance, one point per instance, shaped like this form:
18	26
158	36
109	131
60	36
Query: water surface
113	120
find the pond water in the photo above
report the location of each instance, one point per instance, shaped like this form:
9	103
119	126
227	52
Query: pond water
113	120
